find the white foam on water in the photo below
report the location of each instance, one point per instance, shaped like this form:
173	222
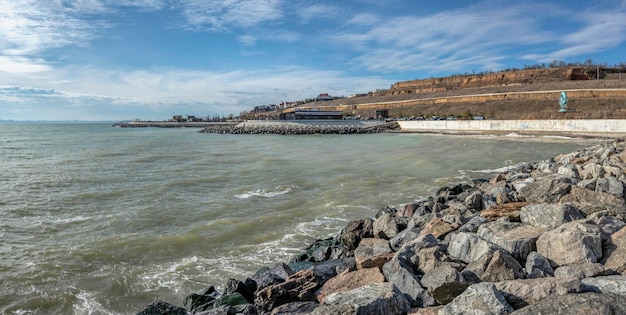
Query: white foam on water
273	192
498	170
87	304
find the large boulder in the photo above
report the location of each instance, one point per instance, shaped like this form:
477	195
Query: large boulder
298	287
468	247
577	303
295	308
615	252
440	276
162	308
549	216
273	275
493	267
580	271
571	243
386	226
589	201
432	257
400	271
347	281
355	231
439	228
606	284
372	247
481	298
523	292
404	237
517	238
545	189
538	266
374	299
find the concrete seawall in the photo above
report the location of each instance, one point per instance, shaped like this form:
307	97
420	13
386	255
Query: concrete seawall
588	127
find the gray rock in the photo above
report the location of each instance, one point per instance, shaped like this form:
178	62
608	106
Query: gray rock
587	183
615	252
608	223
404	237
354	231
589	201
578	303
440	276
545	189
295	308
493	267
472	225
269	276
159	308
468	247
481	298
374	299
341	309
568	171
401	271
606	284
432	257
372	247
520	293
592	170
549	216
571	243
538	266
580	271
610	185
517	238
386	226
474	201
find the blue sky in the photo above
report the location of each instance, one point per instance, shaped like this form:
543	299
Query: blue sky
151	59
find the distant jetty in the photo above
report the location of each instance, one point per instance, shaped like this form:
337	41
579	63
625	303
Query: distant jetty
171	124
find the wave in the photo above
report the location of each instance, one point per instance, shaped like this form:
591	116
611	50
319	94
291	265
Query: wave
498	170
273	192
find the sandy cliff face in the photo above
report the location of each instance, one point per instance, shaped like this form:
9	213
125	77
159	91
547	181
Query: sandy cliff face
508	78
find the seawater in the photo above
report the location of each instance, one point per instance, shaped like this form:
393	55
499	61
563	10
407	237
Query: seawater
103	220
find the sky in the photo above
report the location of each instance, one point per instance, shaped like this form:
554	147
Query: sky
152	59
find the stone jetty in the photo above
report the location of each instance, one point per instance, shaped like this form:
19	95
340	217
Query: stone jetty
547	237
302	128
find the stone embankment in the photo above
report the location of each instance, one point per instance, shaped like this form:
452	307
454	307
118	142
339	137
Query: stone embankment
546	237
300	129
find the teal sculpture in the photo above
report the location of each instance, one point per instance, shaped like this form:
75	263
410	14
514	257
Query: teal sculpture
563	103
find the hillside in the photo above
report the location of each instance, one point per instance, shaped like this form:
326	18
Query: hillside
518	96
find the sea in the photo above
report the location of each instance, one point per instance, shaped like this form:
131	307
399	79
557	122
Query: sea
102	220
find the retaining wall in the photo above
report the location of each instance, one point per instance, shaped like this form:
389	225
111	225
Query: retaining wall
596	127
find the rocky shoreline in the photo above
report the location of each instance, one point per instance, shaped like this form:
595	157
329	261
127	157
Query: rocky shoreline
300	129
547	237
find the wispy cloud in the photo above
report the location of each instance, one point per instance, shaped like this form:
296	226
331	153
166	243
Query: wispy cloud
223	15
481	36
31	26
601	31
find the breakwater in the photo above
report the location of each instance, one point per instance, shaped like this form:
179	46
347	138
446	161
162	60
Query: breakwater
543	237
303	127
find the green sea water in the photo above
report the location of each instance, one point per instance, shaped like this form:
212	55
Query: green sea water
103	220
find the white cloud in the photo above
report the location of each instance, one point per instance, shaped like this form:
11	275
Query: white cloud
16	64
223	15
31	26
602	31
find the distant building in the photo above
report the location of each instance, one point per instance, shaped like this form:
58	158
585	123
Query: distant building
324	97
312	115
177	118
